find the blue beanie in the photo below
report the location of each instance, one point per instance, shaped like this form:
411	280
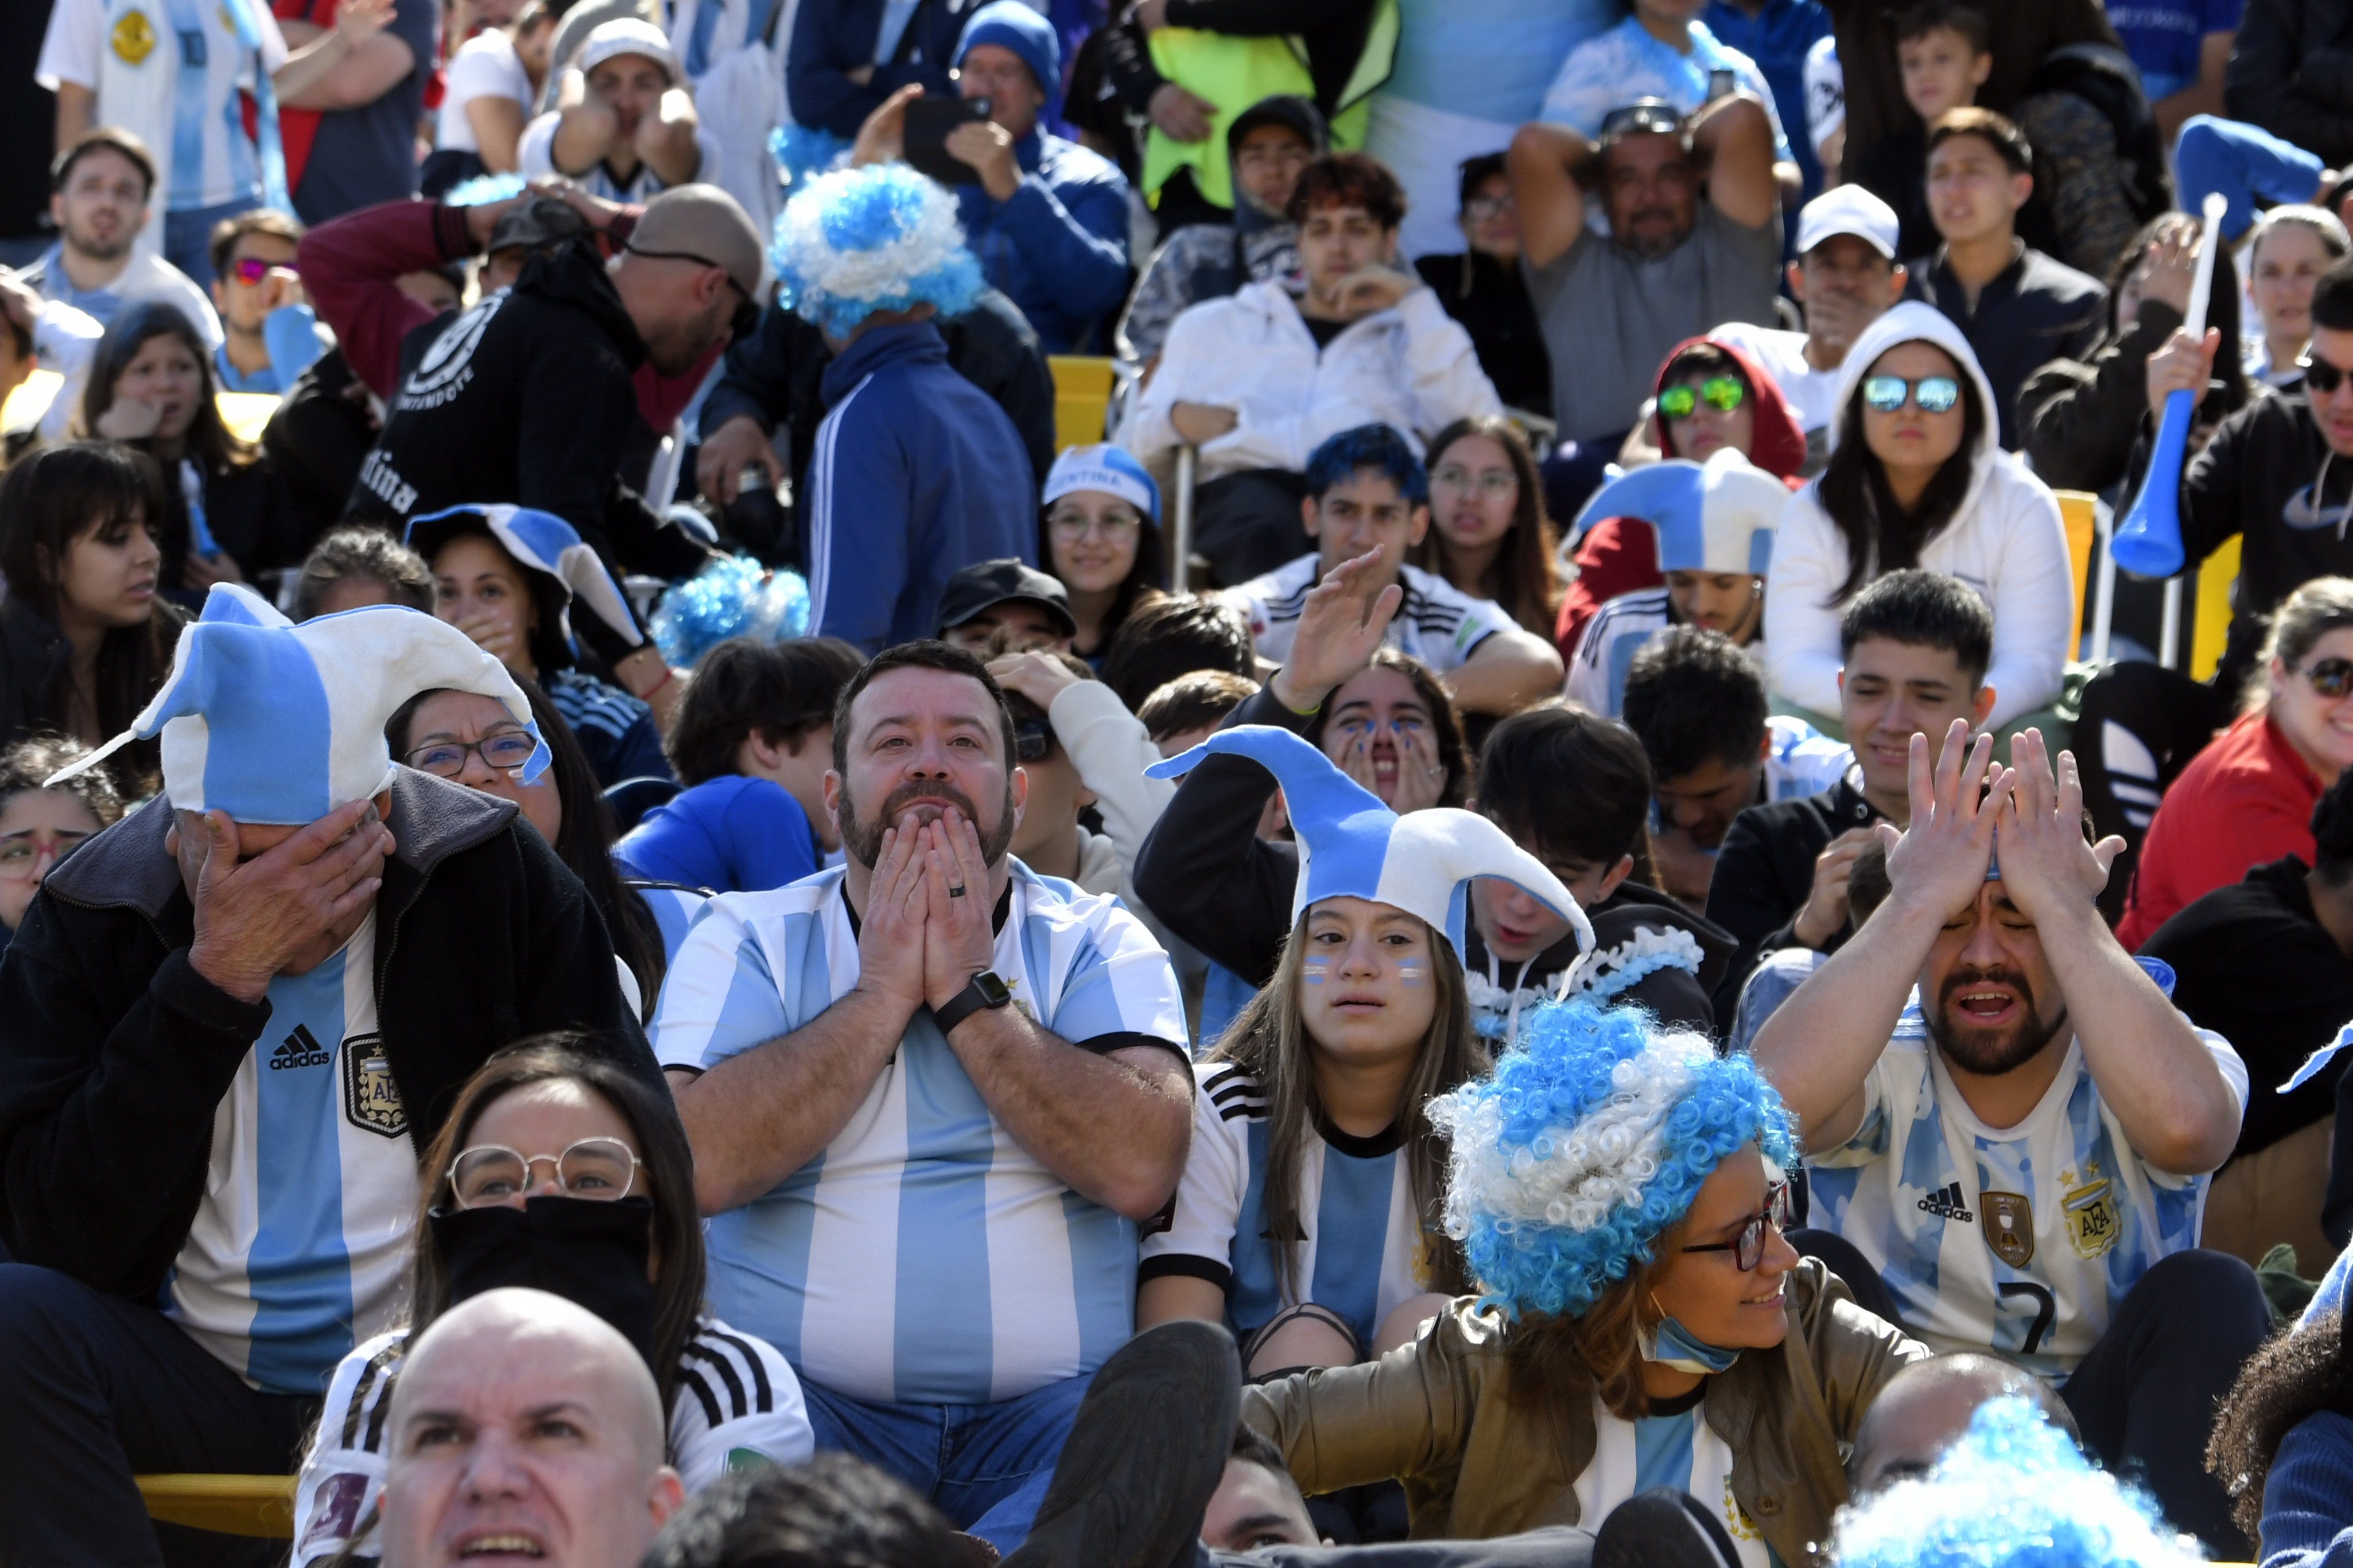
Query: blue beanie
1013	25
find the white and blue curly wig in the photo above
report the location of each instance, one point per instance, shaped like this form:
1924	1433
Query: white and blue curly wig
1585	1143
2014	1492
882	238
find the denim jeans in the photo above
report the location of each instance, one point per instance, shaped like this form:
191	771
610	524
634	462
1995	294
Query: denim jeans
983	1466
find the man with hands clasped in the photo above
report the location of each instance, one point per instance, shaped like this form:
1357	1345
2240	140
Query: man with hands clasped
624	122
2015	1156
930	1094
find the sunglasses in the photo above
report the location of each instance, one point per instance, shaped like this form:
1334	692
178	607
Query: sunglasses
1717	391
250	270
1929	394
2331	678
1033	741
746	318
2320	375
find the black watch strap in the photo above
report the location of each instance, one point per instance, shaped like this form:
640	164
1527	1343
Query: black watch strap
984	990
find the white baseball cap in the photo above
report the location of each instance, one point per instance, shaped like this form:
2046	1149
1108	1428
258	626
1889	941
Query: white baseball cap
1848	209
625	36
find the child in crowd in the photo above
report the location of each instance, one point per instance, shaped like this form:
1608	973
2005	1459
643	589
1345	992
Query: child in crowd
1943	50
39	826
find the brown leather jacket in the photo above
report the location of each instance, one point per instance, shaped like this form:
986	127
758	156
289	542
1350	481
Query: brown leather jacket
1434	1415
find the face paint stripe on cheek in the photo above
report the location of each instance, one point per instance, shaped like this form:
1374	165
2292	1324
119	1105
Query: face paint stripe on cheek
1412	974
1315	968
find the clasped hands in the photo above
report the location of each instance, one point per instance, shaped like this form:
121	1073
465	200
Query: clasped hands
928	925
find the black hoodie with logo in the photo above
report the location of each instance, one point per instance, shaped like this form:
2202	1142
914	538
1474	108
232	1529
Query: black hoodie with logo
526	398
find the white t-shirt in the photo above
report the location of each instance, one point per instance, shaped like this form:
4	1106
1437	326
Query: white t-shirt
1361	1256
301	1244
1812	395
1825	91
484	66
2021	1240
1437	622
536	155
1682	1451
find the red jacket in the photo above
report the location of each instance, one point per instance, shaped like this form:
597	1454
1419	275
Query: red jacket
349	268
2243	801
1614	558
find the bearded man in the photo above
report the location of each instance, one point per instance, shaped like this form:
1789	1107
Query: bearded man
2015	1157
930	1094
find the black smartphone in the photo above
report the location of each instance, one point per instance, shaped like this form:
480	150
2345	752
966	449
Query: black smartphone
930	119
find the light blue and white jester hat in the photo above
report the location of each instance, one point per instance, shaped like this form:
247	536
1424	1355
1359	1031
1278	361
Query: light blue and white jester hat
1350	845
275	722
548	545
1716	516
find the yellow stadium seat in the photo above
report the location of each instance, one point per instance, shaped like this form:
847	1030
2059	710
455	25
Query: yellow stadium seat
245	413
228	1505
1082	393
2209	618
2076	510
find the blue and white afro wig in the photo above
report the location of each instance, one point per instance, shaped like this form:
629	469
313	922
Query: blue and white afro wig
734	596
882	238
1585	1143
2013	1493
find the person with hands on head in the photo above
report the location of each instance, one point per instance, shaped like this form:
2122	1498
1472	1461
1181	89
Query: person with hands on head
853	1068
2016	1161
273	335
298	947
624	124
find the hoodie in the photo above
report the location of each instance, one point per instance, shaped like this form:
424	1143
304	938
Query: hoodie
1618	555
2006	541
915	473
1648	950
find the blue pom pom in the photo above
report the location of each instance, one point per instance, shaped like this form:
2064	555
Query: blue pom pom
482	190
734	596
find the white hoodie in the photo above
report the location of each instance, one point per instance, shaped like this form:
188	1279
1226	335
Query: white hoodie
2007	541
1410	367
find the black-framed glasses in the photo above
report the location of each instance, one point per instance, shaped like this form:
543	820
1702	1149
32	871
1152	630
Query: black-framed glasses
1931	393
1033	740
1720	392
2319	375
602	1170
747	309
507	750
1748	1248
2331	678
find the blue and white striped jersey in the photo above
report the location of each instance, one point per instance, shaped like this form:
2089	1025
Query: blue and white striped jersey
300	1243
923	1256
674	907
1680	1450
1436	622
2021	1239
1361	1256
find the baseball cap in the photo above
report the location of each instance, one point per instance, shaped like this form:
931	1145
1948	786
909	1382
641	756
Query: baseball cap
1848	209
987	583
625	36
541	220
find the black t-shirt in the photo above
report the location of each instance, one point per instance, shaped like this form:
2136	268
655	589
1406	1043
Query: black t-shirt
1321	331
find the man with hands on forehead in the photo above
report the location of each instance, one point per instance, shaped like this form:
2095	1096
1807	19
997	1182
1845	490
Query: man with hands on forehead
2015	1156
930	1094
227	1030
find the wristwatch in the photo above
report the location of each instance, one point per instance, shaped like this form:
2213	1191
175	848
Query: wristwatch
984	990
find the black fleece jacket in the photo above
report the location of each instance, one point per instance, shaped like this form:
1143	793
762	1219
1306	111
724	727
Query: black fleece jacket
115	1051
1765	873
2291	72
527	398
1208	877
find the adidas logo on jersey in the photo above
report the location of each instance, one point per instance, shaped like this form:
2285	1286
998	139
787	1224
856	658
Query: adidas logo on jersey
299	1049
1945	1203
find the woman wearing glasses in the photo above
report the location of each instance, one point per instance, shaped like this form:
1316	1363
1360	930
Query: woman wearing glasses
558	1170
2247	798
1637	1318
1488	534
40	824
1100	536
1916	478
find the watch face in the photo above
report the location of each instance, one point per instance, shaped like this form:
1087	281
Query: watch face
991	988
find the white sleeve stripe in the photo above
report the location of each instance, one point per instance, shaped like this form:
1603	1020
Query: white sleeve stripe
378	1380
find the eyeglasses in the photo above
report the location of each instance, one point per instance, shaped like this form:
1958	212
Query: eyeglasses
1748	1248
2320	375
1033	739
1071	525
2331	678
506	750
1930	394
1484	209
747	309
602	1170
1722	392
1487	481
23	854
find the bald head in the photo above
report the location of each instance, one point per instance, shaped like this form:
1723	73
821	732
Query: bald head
707	221
523	1426
1926	1408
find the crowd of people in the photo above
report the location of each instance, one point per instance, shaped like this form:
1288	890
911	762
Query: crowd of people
664	899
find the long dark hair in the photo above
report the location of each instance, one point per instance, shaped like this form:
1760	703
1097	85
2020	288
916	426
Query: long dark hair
1148	575
1525	576
1446	724
584	842
2301	1372
1881	536
50	499
215	448
1269	1040
549	650
661	1145
1554	1358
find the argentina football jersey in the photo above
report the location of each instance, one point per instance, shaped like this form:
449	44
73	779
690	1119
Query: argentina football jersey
301	1240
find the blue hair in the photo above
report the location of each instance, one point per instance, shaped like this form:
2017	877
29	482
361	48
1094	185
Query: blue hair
2014	1492
1368	446
1551	1188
